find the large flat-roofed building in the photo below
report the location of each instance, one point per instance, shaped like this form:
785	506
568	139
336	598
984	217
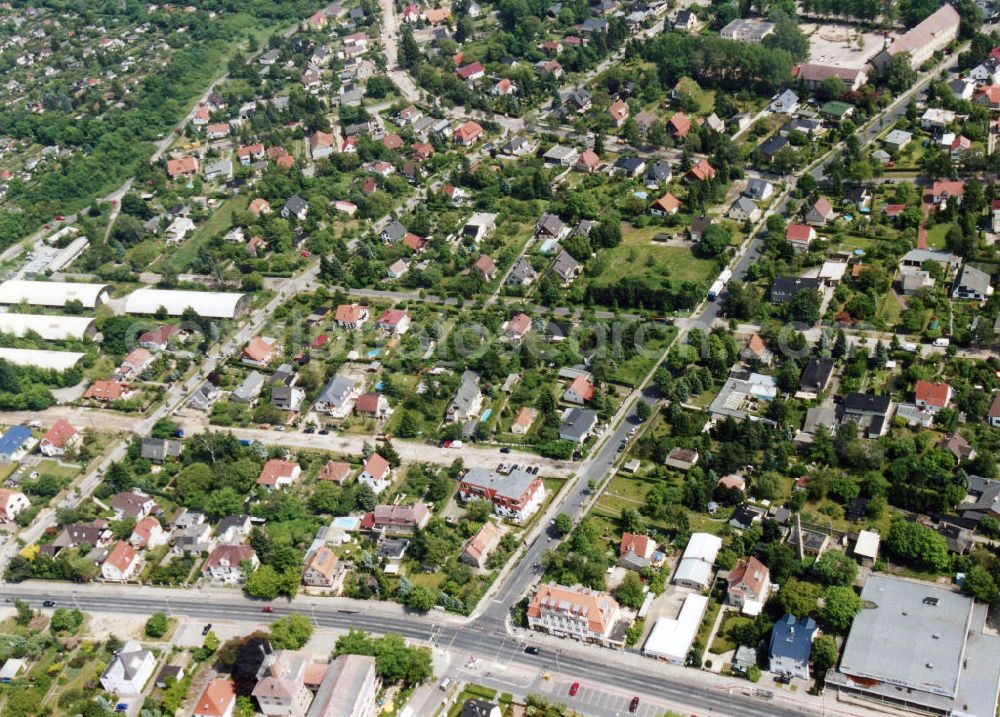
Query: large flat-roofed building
933	34
921	647
55	360
53	293
50	328
516	495
671	638
747	30
208	304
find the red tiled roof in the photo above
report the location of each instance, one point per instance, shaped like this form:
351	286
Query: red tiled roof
368	403
582	387
932	393
337	471
274	469
799	232
376	465
59	434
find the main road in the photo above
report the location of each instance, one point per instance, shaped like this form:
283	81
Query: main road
481	638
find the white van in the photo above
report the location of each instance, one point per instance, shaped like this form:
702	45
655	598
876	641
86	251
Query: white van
942	342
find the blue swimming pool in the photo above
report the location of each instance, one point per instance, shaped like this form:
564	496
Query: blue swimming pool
374	352
486	415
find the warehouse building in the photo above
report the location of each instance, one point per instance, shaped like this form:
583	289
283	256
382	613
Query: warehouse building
208	304
50	328
53	293
920	647
55	360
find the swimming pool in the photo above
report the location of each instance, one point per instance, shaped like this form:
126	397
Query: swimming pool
486	415
374	352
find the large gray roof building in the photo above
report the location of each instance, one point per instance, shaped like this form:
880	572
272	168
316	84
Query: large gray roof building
923	647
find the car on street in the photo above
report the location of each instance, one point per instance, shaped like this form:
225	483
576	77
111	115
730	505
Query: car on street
49	603
531	650
573	689
634	704
505	449
267	608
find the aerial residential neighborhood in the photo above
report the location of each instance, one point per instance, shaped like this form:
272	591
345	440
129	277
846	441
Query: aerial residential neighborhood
496	359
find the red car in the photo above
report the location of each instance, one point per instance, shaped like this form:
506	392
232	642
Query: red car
59	217
573	689
267	608
634	705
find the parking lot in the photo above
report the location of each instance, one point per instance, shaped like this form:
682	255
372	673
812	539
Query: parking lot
600	702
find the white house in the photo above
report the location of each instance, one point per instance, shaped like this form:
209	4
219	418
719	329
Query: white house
129	670
376	473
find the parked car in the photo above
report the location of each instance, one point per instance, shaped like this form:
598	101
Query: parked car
207	629
634	705
573	689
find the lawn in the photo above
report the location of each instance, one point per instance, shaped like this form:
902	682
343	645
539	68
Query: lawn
722	642
889	309
704	98
637	254
935	235
217	224
52	468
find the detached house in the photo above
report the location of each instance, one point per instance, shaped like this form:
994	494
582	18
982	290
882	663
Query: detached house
376	473
59	439
666	205
932	396
351	316
972	284
395	321
225	563
129	670
580	391
619	112
260	352
278	473
749	586
820	213
121	564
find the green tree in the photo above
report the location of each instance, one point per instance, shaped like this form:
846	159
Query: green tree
980	584
918	544
824	653
65	621
630	593
799	598
714	240
836	568
421	598
840	605
563	524
479	510
291	632
24	612
156	625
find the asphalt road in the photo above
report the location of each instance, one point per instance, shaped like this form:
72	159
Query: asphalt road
483	638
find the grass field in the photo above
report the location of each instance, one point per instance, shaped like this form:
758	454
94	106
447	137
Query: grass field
637	255
935	235
217	224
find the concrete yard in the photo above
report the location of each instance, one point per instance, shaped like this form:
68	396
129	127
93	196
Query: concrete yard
839	45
